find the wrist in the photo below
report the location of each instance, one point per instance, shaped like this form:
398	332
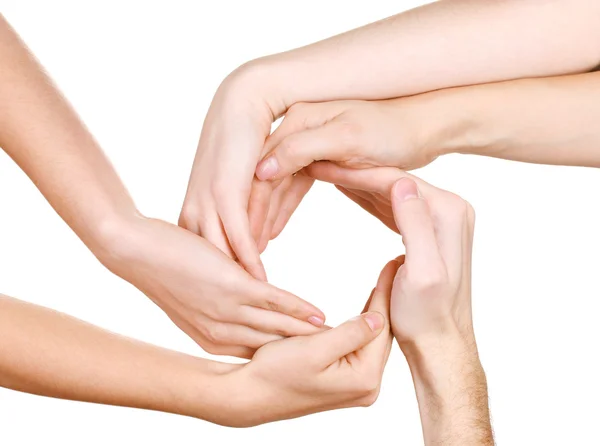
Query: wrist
441	365
451	121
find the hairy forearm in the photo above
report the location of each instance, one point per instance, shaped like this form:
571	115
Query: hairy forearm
40	131
452	392
49	353
443	44
548	120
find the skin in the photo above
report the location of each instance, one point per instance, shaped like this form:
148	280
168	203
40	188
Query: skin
204	292
424	49
431	298
49	353
546	120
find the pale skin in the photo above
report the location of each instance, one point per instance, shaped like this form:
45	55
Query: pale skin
49	353
546	121
440	45
205	293
430	312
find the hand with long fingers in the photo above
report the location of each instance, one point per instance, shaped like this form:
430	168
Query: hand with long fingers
407	61
337	368
354	134
204	292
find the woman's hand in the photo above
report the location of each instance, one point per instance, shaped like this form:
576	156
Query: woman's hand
337	368
205	293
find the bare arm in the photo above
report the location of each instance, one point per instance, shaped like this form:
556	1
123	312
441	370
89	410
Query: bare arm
451	390
45	137
431	299
444	44
48	353
546	121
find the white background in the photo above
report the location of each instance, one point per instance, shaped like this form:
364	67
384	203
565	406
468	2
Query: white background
142	75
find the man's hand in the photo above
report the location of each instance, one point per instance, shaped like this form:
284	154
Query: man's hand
337	368
206	294
431	299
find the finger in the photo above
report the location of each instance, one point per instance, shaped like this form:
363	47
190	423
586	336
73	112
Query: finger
277	198
413	218
380	302
237	227
302	148
258	206
237	351
239	335
273	322
271	298
331	345
298	189
208	225
368	206
376	179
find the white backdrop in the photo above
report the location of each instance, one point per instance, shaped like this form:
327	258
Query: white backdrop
142	75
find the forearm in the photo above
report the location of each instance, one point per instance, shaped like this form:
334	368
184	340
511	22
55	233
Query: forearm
443	44
549	120
452	392
44	136
48	353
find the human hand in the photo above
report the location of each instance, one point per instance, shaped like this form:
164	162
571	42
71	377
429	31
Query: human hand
206	294
337	368
432	291
234	131
353	133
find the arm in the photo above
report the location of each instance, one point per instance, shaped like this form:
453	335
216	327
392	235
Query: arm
206	294
48	353
545	121
431	298
443	44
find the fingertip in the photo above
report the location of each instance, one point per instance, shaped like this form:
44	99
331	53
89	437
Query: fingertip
267	169
404	189
374	320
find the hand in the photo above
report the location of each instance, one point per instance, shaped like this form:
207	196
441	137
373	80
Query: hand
233	135
355	134
432	290
337	368
208	296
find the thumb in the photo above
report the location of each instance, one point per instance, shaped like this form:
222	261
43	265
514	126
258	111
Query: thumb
300	149
352	335
415	224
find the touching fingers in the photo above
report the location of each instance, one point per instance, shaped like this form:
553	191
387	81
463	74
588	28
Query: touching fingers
303	148
331	345
237	227
271	298
414	220
300	186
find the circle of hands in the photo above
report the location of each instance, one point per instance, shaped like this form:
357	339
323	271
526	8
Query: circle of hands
214	287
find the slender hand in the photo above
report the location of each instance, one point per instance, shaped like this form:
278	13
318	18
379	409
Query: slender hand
205	293
443	44
431	299
48	353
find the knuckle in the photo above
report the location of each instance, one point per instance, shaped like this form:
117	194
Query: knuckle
428	281
215	333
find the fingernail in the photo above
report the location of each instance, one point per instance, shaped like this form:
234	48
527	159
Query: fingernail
316	321
267	168
374	320
405	189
